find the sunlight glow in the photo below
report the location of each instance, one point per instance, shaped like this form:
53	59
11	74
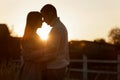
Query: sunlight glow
44	31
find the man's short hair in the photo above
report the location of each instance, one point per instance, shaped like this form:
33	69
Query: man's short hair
49	9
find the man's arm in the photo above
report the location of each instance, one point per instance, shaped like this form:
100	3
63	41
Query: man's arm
52	46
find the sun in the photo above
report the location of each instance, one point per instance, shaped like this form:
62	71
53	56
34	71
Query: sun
44	31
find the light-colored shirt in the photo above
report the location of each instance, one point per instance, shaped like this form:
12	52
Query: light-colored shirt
57	46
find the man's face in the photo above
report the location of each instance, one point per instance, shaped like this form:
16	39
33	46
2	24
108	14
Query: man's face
46	18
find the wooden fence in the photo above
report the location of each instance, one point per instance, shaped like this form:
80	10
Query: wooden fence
85	69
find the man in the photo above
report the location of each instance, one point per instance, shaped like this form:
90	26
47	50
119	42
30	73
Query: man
57	54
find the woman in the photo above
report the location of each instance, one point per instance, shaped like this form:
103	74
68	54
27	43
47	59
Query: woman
32	49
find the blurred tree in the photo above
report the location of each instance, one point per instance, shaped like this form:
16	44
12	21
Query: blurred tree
100	40
9	46
114	36
4	42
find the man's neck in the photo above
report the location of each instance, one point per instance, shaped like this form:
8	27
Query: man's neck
53	21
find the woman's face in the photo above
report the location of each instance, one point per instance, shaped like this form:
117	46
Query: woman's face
39	24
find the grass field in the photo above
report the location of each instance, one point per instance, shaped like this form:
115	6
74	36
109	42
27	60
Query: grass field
9	70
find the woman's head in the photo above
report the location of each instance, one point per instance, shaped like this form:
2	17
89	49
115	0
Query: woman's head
33	19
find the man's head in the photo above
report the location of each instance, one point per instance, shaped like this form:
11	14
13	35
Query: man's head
49	13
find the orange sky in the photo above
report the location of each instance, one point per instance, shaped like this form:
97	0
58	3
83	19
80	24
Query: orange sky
84	19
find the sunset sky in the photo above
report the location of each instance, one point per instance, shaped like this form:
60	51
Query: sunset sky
84	19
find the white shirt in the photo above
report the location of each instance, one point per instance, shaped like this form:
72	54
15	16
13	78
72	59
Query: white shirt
58	40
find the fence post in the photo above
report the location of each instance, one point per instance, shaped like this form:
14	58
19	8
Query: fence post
84	67
21	60
118	67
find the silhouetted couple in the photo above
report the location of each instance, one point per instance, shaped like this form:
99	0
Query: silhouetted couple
44	61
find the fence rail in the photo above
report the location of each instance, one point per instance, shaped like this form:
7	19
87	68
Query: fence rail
85	69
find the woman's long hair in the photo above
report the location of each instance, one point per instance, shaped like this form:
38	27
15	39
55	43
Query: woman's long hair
32	20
